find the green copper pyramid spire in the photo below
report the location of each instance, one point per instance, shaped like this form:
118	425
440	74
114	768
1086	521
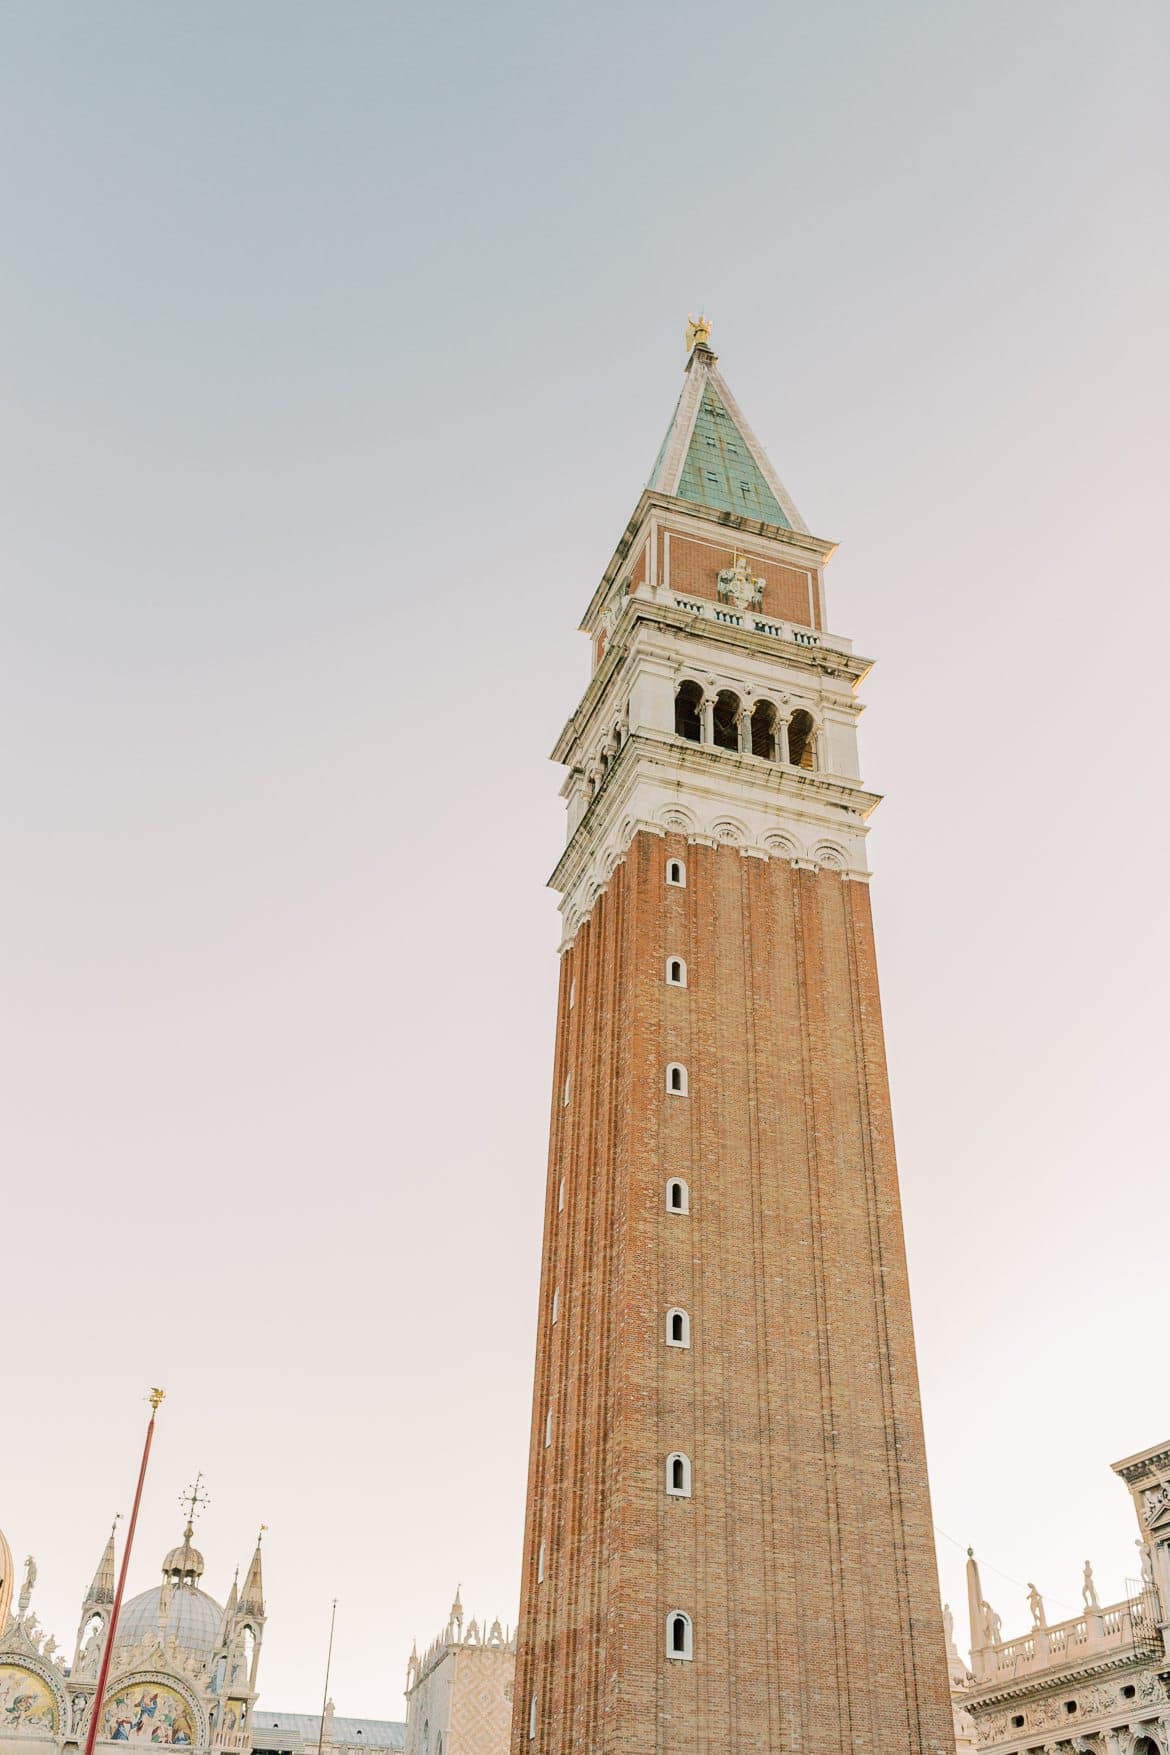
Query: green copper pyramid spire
721	472
711	457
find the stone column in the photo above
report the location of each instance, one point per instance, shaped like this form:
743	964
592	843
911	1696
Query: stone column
745	731
782	738
708	719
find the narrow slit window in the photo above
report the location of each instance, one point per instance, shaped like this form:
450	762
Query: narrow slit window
678	1475
676	972
679	1637
567	1089
676	873
556	1304
532	1719
548	1429
678	1328
676	1079
540	1564
678	1196
561	1196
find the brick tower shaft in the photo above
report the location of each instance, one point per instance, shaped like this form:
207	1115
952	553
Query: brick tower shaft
728	1538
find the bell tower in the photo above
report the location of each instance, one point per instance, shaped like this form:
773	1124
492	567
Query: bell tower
728	1537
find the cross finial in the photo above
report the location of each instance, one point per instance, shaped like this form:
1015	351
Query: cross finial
194	1500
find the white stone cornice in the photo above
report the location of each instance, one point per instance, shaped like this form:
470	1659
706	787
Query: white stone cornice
715	797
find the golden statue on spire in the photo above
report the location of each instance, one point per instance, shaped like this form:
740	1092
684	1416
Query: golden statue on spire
698	332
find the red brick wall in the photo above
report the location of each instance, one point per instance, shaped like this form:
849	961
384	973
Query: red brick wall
805	1555
695	566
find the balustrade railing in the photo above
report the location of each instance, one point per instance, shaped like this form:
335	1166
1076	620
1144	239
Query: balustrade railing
729	617
1133	1622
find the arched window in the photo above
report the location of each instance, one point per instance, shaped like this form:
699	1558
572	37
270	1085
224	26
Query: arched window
676	873
676	1079
676	972
678	1328
688	712
678	1475
532	1719
726	720
679	1638
800	739
764	730
678	1196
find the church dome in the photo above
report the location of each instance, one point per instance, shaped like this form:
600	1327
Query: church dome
193	1619
183	1564
188	1615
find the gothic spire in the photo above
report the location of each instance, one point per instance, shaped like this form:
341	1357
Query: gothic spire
227	1620
252	1596
102	1589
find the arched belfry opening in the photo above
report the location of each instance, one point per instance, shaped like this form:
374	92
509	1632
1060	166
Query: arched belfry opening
726	720
800	739
688	712
764	730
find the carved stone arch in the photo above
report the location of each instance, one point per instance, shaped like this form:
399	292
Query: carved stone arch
729	829
679	818
828	853
124	1690
782	846
24	1657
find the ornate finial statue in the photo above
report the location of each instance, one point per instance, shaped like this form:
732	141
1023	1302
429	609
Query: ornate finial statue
992	1624
1089	1589
26	1589
1036	1604
698	332
1147	1564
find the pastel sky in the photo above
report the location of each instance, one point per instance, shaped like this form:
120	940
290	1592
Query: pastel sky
337	342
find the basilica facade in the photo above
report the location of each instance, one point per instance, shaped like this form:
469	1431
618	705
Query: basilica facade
183	1670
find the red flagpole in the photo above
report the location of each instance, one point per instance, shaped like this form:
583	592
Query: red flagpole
95	1708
